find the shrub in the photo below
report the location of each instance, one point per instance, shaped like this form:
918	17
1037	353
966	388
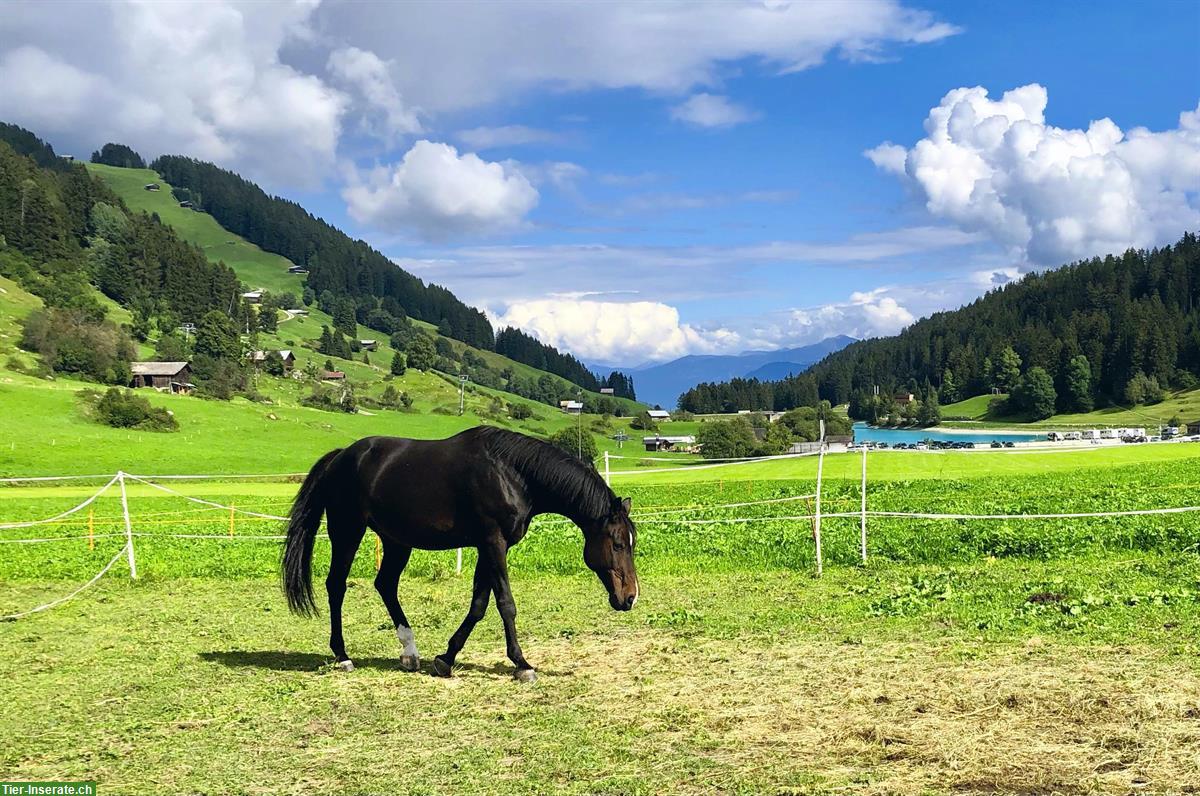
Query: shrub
642	422
71	342
395	399
581	445
331	400
520	411
125	409
726	439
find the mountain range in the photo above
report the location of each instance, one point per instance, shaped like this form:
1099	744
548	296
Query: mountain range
662	383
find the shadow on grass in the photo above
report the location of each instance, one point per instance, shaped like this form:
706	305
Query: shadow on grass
281	661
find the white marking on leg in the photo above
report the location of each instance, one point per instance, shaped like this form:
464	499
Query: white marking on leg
407	640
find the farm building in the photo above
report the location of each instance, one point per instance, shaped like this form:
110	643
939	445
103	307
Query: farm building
905	398
834	443
658	443
173	376
253	296
606	391
659	414
333	375
369	345
297	269
289	359
301	313
571	407
151	186
185	203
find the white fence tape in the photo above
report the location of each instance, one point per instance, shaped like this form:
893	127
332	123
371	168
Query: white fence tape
67	513
61	600
213	504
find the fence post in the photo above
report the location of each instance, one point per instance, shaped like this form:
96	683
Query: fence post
128	527
607	479
231	518
817	517
458	562
91	529
378	552
863	515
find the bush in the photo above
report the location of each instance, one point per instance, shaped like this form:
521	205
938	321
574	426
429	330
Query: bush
394	399
642	422
520	411
70	342
331	400
125	409
726	439
581	445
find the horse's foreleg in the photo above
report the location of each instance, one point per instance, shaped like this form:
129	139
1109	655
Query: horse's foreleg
395	559
481	594
508	612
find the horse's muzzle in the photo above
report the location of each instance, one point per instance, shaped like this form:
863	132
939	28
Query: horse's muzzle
621	605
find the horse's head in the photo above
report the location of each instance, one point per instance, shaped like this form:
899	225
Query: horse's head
608	551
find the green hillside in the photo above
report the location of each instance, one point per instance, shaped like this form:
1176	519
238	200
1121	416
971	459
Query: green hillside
260	269
1184	404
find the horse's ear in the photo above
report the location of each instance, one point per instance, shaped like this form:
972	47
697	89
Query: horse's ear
625	504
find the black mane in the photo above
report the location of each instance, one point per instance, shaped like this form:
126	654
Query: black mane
573	482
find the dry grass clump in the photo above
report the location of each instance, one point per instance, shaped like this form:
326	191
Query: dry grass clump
901	719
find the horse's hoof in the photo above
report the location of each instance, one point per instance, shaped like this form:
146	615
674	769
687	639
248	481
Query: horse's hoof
410	663
441	668
525	676
346	665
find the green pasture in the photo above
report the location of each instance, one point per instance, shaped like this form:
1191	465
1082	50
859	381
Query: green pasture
1184	404
1002	656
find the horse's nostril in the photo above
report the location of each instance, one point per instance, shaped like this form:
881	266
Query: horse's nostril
629	602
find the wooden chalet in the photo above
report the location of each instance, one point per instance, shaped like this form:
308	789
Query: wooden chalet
167	376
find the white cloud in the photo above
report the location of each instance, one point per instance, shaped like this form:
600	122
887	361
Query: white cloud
1048	194
509	135
711	110
202	79
439	193
612	331
865	314
368	74
465	54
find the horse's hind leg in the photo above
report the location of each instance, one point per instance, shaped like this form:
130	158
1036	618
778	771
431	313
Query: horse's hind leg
345	535
395	558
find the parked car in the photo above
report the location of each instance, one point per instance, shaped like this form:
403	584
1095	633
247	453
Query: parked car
1009	444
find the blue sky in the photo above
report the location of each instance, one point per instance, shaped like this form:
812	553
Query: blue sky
636	182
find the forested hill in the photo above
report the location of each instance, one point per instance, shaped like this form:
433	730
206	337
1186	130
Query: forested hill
61	231
1101	329
335	261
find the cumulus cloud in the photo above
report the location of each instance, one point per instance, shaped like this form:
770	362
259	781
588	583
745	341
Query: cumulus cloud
203	79
464	54
438	193
1049	194
368	74
711	110
612	331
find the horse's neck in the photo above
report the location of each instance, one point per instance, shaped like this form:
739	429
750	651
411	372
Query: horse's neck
550	501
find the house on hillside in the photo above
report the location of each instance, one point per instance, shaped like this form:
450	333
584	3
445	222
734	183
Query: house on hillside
253	296
659	415
289	359
151	186
167	376
607	391
297	269
185	204
904	398
300	313
659	443
368	345
1193	428
333	375
571	407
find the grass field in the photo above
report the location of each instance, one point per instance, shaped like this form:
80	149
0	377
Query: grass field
1183	404
967	657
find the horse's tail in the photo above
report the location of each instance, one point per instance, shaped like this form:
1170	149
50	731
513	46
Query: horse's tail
304	522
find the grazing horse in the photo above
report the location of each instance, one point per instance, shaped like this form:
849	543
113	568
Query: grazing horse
480	489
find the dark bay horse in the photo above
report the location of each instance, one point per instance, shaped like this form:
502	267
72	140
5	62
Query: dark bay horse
480	489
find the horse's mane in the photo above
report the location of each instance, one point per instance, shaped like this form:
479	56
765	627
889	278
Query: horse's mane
544	465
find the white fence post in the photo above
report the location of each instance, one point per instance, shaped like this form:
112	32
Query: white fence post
128	527
458	562
817	518
863	526
607	480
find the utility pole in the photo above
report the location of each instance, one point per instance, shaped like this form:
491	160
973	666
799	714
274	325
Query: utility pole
579	425
462	388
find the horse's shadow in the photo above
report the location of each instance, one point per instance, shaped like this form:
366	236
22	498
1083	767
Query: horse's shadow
284	661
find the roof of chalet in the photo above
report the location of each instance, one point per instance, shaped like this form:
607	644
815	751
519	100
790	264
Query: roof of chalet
259	356
157	368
